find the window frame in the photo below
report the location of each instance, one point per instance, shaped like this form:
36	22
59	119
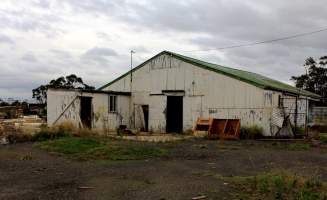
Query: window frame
112	104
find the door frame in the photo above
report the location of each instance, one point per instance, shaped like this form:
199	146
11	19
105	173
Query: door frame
89	123
145	110
182	114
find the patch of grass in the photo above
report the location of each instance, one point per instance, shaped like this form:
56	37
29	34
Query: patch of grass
323	137
278	185
298	130
92	149
26	157
298	146
70	145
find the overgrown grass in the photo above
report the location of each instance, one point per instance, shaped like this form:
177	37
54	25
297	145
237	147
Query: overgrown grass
49	134
298	130
323	137
64	129
298	146
92	149
292	146
278	185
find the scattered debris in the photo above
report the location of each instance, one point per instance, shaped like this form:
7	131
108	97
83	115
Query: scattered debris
16	130
4	141
85	187
199	197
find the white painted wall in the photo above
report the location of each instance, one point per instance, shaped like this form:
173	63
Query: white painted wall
58	100
207	94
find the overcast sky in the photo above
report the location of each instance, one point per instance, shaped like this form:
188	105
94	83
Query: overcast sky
43	39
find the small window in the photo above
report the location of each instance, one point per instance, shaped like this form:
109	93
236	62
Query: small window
112	103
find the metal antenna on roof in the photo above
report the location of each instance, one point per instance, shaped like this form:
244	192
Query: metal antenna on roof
132	65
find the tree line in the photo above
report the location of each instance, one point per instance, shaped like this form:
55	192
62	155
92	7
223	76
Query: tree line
315	77
69	82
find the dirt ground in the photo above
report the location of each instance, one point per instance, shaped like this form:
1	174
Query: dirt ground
29	173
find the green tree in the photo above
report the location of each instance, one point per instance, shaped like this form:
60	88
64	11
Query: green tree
3	103
315	79
69	82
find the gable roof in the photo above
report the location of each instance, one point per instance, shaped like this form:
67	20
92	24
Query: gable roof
245	76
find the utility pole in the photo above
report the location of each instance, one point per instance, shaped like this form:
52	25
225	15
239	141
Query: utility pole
131	108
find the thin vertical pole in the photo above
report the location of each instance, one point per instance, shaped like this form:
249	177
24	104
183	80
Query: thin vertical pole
131	68
131	108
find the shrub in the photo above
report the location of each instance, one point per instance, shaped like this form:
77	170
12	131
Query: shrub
11	134
17	137
251	132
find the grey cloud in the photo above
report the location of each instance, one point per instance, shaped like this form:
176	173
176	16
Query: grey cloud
29	58
104	36
140	49
197	24
233	21
42	3
61	53
99	57
5	39
22	19
215	17
100	52
95	6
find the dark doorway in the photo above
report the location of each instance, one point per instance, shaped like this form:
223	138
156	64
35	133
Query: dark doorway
174	115
145	109
86	111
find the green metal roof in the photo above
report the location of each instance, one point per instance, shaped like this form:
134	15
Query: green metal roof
248	77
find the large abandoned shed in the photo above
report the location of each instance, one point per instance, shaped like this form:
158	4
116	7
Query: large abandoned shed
168	92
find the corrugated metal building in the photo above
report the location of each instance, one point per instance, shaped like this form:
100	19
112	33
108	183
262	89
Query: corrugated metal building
170	91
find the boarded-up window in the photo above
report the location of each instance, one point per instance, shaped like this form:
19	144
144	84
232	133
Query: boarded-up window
112	103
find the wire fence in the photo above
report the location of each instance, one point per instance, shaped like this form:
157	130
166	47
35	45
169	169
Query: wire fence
318	116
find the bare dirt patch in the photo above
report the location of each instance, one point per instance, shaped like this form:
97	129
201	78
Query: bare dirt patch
190	169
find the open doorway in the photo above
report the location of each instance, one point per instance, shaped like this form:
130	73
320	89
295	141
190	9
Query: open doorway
86	111
145	109
174	115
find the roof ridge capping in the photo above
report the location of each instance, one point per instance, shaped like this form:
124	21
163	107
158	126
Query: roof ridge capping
242	75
